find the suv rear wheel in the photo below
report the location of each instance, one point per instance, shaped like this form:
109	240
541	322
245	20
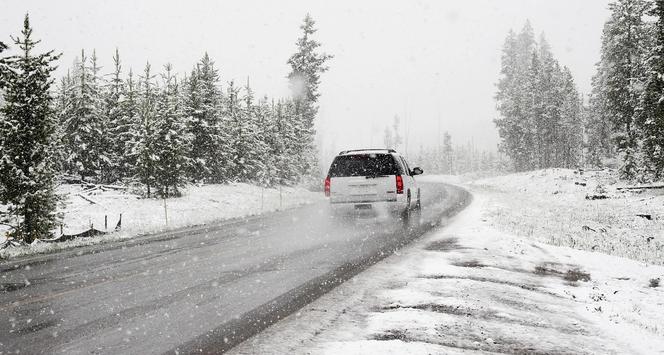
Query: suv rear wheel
405	215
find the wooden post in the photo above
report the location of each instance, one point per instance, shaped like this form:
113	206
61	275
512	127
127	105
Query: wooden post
105	222
119	225
61	229
166	212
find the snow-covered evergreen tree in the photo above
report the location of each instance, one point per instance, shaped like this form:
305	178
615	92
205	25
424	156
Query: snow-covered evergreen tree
651	118
143	138
171	140
104	147
548	127
447	154
307	64
3	70
267	135
203	107
84	125
533	106
513	123
597	125
570	131
246	139
27	139
239	134
196	126
61	107
116	127
284	145
624	44
127	126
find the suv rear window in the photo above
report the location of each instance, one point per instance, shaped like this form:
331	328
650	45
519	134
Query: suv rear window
363	165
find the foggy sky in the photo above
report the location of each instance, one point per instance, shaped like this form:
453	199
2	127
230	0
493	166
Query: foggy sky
433	63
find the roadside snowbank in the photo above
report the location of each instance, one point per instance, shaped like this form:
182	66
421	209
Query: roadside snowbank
583	211
470	288
198	205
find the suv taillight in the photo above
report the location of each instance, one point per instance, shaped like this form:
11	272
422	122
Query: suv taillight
399	184
327	186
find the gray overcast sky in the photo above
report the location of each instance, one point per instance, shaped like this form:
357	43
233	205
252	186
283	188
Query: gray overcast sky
434	63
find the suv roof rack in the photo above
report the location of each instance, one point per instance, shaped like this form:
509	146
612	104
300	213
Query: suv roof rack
361	150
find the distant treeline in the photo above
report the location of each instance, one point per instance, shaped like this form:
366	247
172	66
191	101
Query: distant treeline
450	159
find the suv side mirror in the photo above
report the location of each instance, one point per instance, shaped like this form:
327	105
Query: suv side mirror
417	171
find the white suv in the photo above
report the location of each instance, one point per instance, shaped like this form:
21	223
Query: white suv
372	179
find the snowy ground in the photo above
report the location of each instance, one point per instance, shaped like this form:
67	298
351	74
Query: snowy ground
199	205
551	206
474	288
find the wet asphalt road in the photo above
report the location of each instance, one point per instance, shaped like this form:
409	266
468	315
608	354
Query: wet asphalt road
200	289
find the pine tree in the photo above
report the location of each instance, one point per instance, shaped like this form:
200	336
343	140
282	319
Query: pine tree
651	119
61	107
285	143
126	128
203	107
307	64
267	136
515	124
251	147
143	142
549	137
570	130
196	126
27	139
239	133
508	102
114	115
534	106
171	141
447	154
3	68
84	126
103	146
597	125
623	48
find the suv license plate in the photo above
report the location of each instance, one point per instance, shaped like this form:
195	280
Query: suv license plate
363	207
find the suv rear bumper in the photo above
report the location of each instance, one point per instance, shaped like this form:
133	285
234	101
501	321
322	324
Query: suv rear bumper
378	207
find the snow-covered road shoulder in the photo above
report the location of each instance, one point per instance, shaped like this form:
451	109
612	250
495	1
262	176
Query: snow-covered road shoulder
588	210
199	205
470	288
